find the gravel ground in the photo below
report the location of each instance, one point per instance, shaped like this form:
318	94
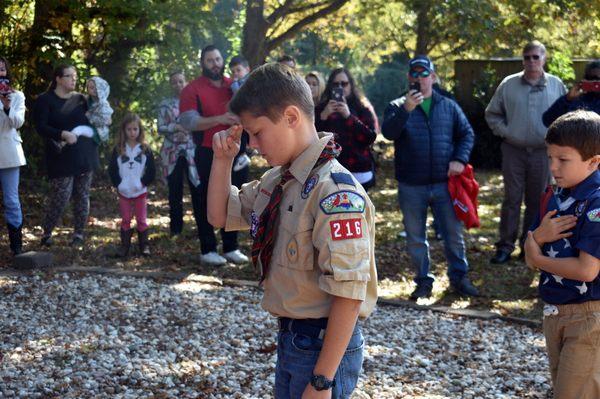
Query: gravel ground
107	337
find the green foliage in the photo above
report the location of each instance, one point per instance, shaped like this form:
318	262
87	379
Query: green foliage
387	83
561	65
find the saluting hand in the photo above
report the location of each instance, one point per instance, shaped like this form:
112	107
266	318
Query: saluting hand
226	143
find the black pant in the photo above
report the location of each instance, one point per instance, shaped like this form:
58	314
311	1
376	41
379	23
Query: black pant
175	182
206	232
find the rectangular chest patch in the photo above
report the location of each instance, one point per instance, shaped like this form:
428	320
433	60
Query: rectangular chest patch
345	229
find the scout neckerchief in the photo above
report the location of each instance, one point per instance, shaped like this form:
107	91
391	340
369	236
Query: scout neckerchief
263	240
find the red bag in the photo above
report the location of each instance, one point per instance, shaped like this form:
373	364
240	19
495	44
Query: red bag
463	190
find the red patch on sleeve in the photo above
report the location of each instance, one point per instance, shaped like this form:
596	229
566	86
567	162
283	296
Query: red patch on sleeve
345	229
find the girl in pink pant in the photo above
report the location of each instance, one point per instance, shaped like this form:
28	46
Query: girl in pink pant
131	169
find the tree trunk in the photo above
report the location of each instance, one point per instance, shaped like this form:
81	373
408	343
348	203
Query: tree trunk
39	51
422	44
255	33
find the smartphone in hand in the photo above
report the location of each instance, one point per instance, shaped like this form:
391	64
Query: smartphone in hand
337	94
415	86
5	88
590	86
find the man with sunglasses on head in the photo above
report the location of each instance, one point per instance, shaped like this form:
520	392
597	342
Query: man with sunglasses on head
515	114
432	141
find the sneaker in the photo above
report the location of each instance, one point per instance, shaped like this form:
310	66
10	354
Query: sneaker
423	290
236	257
465	287
212	259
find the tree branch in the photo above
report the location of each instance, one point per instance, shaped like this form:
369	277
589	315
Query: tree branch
294	29
280	12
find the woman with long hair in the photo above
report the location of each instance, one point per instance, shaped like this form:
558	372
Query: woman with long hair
317	85
12	158
70	159
345	111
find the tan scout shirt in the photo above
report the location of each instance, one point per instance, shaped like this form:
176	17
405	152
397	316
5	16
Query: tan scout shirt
324	243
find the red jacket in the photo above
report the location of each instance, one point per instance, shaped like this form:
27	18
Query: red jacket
463	191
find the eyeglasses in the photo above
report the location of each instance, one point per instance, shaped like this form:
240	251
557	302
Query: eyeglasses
531	57
340	84
419	74
71	76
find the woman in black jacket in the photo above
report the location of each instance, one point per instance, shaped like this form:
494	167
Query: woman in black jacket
70	159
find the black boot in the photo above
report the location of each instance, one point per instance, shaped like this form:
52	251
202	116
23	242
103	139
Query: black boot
125	243
143	242
15	237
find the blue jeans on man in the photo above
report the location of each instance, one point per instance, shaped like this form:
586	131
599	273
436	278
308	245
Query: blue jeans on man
414	201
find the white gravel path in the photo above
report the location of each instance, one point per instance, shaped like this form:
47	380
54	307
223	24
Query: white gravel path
121	337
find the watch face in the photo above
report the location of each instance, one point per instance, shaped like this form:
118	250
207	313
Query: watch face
320	383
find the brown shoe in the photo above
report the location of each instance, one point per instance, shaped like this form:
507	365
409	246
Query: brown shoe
143	242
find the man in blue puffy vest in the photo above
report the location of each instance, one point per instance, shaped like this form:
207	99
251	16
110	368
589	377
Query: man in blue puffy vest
432	140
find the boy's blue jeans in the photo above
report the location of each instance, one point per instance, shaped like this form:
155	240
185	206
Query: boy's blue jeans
296	358
414	201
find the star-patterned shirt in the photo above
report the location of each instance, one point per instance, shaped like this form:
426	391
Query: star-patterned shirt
582	201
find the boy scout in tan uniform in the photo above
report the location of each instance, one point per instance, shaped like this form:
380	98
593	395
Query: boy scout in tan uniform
321	275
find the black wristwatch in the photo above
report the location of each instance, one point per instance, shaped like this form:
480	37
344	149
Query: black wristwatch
321	383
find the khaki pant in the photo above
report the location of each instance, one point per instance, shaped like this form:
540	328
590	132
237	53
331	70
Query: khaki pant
573	345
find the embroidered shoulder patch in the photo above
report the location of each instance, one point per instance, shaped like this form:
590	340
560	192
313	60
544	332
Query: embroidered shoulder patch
343	202
594	215
309	185
342	178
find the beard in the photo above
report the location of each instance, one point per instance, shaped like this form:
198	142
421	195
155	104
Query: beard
213	75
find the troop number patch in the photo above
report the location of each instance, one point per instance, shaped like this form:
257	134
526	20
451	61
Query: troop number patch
343	202
345	229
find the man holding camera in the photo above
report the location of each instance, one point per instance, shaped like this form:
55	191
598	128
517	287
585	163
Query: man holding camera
583	95
432	140
515	114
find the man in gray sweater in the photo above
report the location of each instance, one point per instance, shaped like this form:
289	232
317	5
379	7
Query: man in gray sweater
515	114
